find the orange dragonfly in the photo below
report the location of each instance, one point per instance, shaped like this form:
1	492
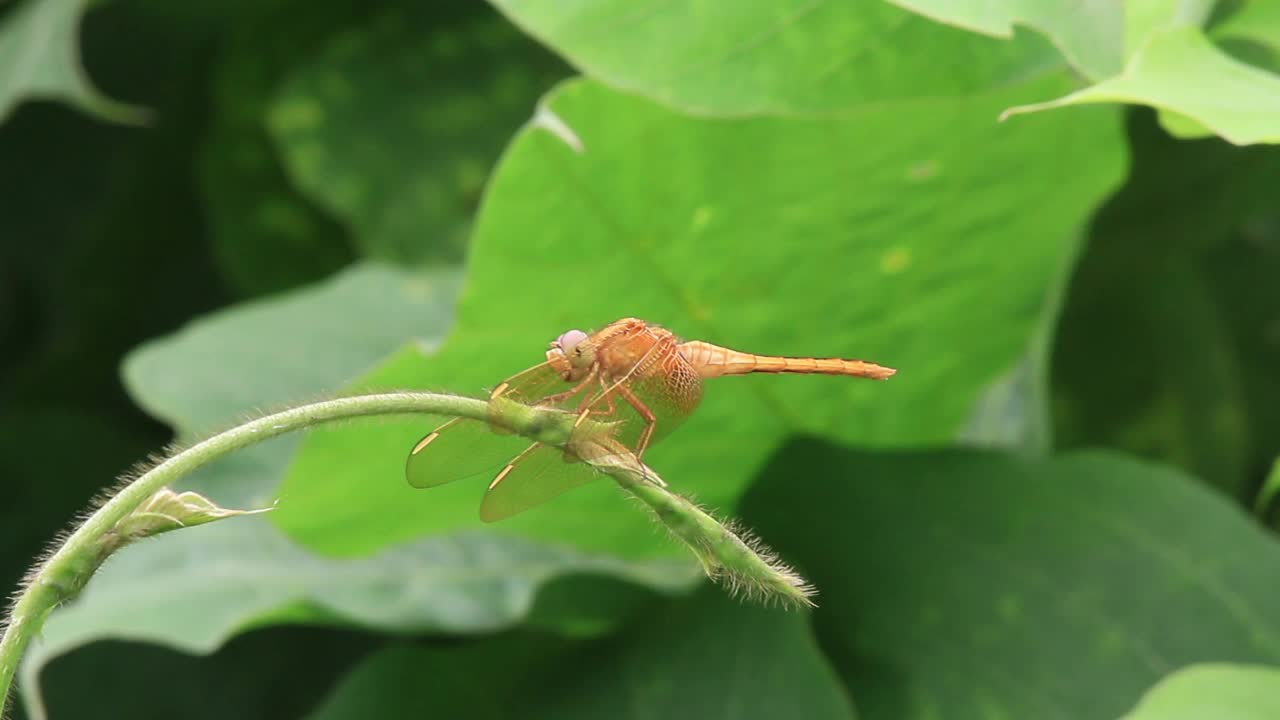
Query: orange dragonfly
635	378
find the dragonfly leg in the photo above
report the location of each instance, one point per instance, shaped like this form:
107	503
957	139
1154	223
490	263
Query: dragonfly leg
657	349
650	420
589	403
562	396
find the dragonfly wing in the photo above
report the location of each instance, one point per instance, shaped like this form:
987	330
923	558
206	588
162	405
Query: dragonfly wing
538	474
459	449
532	385
462	448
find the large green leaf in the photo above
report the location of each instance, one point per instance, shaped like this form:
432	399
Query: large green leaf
793	56
1218	691
289	348
1090	34
197	588
966	585
396	122
269	674
266	236
292	348
40	59
1181	70
1246	31
1173	298
919	234
705	657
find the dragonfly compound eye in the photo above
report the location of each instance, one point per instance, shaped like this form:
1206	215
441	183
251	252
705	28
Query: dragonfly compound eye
569	340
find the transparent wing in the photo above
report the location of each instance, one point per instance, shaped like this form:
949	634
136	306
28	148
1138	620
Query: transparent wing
459	449
535	476
532	385
462	448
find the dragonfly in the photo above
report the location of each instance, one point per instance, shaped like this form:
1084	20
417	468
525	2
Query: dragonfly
632	377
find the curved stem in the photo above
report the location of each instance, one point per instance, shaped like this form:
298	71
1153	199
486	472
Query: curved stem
66	570
738	560
723	554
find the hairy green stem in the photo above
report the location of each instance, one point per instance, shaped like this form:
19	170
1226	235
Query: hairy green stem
64	572
745	565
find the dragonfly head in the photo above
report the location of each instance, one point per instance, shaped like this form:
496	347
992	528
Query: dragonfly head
571	356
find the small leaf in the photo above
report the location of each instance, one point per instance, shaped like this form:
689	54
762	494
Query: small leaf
1213	692
168	510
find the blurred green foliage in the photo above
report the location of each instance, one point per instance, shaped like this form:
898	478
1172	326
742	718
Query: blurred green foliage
339	195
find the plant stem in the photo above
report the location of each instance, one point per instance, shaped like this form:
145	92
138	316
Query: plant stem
722	553
745	565
64	572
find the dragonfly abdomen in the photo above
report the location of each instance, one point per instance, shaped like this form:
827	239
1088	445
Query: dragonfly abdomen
714	361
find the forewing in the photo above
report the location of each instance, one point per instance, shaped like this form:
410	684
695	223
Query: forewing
462	448
532	386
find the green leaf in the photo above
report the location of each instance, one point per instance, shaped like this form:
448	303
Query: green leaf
265	234
1143	18
167	511
40	59
777	58
1179	69
1089	34
196	589
781	236
1163	346
1218	691
704	657
265	675
289	348
1252	34
1182	127
1270	489
401	160
960	584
